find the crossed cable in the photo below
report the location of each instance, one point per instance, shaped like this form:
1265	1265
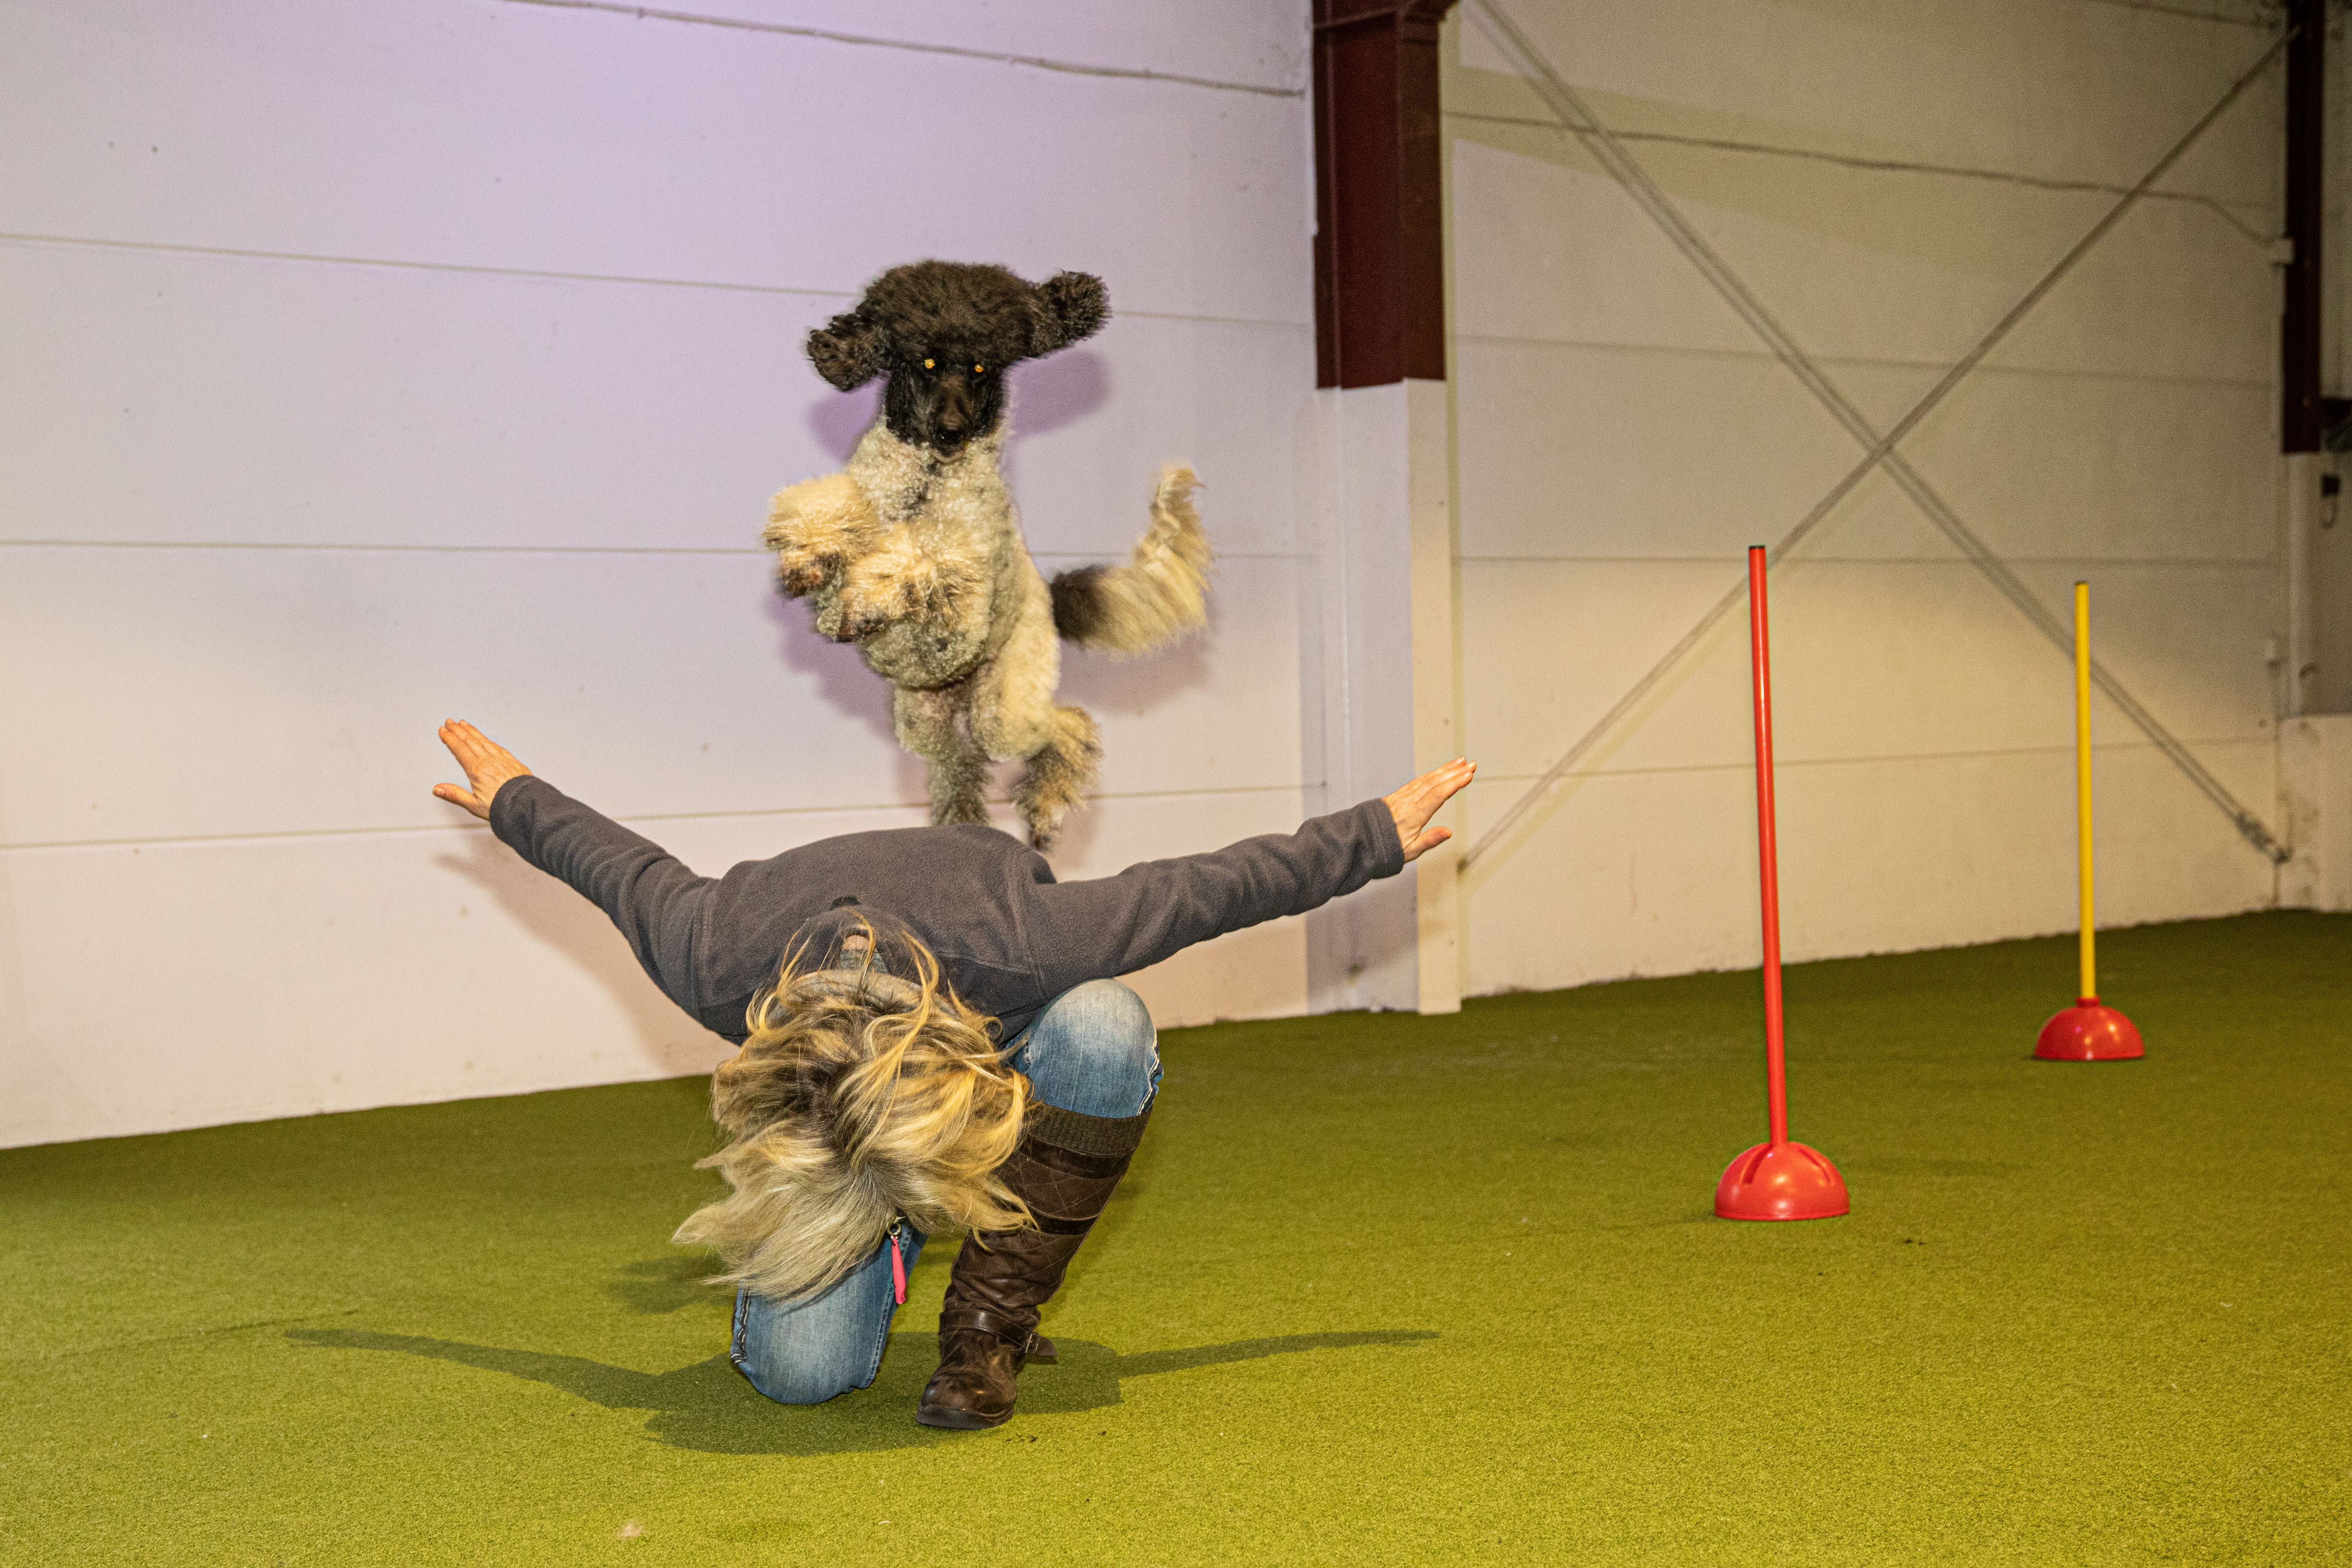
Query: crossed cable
1879	451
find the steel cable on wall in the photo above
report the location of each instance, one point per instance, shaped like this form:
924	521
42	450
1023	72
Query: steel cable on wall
1577	119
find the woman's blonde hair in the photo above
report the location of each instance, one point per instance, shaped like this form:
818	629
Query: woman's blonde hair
860	1096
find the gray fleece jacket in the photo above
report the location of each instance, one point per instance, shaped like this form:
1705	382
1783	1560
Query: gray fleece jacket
1009	938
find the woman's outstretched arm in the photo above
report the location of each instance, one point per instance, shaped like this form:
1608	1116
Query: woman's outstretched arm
645	891
1114	925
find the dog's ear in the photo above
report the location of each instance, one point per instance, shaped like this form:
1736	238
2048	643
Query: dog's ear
850	350
1066	306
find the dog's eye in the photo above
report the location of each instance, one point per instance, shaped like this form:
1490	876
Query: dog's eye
979	370
928	365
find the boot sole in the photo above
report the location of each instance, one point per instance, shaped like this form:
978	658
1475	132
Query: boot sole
955	1420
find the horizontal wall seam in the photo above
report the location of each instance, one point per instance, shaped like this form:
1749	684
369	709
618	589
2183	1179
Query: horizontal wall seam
173	247
2265	385
2228	18
2221	206
243	253
1781	763
826	35
184	841
736	549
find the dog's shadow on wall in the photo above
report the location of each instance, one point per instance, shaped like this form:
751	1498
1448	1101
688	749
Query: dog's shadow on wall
1050	395
838	420
845	684
708	1408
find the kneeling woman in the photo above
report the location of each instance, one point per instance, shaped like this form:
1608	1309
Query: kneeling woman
933	1035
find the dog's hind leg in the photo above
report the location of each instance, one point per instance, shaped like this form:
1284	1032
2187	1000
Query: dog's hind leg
1014	715
937	726
1058	773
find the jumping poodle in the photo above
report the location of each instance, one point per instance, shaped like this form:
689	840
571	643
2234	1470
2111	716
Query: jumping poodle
914	552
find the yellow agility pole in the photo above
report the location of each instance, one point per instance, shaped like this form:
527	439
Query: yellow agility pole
2089	1031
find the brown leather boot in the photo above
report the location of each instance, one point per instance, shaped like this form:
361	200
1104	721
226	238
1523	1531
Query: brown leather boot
1065	1169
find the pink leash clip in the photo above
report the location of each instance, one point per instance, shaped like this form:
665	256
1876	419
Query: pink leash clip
898	1266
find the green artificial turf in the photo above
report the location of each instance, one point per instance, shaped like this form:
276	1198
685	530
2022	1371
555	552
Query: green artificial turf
1381	1289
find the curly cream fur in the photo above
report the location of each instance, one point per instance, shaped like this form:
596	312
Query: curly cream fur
918	559
1163	589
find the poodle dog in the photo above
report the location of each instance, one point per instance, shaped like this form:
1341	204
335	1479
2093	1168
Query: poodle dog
914	552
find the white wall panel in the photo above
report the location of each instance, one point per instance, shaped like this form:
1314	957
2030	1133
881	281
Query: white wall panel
2057	89
519	136
1620	437
650	683
1091	426
1653	871
155	396
211	692
2122	467
1544	250
1854	264
177	985
1569	451
1229	40
1869	659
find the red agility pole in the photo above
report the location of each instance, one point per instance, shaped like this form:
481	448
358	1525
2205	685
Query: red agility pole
1777	1179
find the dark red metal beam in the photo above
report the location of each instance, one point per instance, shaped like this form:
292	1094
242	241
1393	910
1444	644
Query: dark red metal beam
2301	423
1379	241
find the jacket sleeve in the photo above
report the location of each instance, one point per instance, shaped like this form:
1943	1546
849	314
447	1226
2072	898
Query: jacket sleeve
645	890
1113	925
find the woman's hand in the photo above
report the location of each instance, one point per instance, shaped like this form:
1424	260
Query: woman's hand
487	766
1417	802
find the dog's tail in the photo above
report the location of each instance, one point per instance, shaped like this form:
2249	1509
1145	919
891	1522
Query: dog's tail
1161	591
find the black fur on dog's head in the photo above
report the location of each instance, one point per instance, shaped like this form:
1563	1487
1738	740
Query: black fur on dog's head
943	332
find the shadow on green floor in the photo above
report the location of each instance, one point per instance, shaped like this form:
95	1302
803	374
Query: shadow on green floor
708	1408
659	1285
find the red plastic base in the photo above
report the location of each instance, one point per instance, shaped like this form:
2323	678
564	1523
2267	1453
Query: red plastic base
2089	1031
1791	1181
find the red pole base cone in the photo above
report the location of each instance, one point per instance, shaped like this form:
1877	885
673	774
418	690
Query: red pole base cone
2089	1031
1791	1181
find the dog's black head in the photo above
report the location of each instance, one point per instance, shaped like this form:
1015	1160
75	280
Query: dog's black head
943	332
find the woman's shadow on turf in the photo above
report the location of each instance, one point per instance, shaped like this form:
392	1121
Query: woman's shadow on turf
708	1407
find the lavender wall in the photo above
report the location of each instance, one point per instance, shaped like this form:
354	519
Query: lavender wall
369	364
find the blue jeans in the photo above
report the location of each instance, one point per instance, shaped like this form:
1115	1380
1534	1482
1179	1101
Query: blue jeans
1092	1050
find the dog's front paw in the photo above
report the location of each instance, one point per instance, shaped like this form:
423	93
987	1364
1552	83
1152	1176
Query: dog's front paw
861	616
814	528
870	619
829	624
801	573
879	593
